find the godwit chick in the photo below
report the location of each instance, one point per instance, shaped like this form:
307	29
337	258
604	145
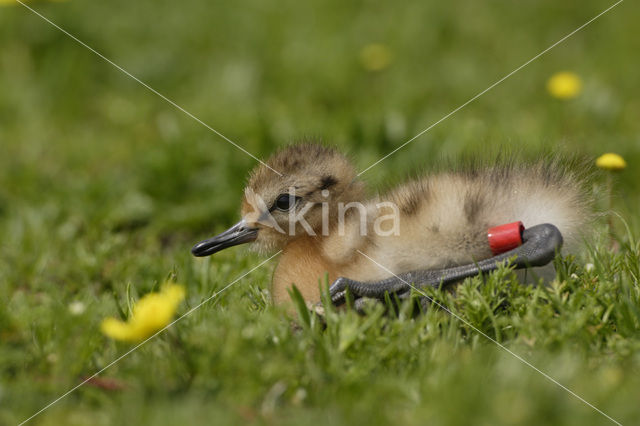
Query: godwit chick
424	232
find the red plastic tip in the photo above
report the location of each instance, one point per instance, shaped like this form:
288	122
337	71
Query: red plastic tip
506	237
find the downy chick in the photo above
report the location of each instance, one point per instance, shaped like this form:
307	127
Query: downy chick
318	214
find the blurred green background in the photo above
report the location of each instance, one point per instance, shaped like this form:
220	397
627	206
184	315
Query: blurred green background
104	186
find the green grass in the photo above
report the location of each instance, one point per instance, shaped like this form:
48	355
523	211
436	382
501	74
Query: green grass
104	187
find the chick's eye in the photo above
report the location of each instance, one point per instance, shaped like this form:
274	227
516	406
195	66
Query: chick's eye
284	202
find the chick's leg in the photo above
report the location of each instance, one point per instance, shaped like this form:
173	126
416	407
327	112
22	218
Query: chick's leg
539	247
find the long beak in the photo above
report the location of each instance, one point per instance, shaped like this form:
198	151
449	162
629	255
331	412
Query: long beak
237	234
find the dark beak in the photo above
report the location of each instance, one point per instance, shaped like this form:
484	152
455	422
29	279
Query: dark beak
237	234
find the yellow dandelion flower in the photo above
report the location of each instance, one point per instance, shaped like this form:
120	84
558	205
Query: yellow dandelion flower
152	312
611	161
564	85
375	57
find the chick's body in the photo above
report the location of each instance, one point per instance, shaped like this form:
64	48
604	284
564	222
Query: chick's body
443	220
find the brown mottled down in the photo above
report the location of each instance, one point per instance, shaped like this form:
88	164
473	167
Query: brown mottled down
443	216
